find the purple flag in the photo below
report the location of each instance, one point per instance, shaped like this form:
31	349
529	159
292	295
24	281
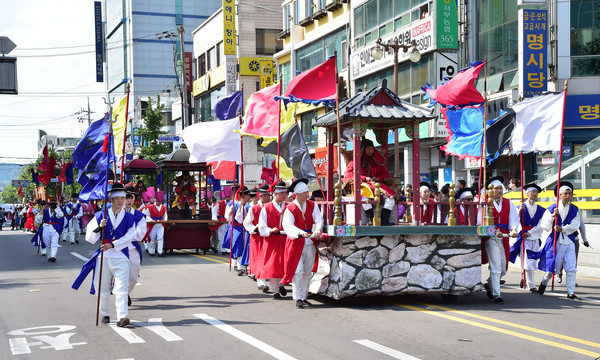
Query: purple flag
230	106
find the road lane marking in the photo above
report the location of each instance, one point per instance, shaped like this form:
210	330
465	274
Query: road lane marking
501	330
156	326
79	256
385	350
127	334
245	337
211	259
518	326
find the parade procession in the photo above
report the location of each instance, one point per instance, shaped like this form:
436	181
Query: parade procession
359	173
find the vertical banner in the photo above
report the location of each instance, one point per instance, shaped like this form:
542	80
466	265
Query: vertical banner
99	41
447	24
230	74
229	27
267	73
320	161
533	48
187	68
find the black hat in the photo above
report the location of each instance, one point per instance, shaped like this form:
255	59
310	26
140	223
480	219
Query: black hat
296	182
252	192
424	183
264	189
74	195
563	183
318	193
116	187
499	178
366	142
532	185
463	190
130	190
52	201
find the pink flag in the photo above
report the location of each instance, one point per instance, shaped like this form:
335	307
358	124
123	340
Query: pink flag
315	85
460	90
262	113
223	170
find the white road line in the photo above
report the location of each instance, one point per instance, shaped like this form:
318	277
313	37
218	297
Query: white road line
245	337
79	256
127	334
156	326
554	293
385	350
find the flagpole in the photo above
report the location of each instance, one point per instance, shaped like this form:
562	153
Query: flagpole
125	134
562	130
483	153
339	136
523	208
242	168
279	125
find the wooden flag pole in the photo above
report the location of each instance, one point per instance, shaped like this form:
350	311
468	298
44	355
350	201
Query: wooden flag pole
279	126
562	130
523	209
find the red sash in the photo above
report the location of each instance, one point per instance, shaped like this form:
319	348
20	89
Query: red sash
293	247
500	218
154	215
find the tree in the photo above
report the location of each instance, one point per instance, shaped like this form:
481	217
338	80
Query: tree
153	122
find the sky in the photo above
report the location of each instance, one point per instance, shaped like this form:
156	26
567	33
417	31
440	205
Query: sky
56	73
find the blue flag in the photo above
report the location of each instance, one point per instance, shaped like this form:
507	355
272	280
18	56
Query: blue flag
159	180
227	107
216	184
69	174
466	131
92	157
34	177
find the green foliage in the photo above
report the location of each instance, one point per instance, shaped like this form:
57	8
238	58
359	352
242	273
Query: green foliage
153	122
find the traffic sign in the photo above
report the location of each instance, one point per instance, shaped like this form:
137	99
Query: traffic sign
20	182
168	138
6	45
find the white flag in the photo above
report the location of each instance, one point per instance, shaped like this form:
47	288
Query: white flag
213	141
538	123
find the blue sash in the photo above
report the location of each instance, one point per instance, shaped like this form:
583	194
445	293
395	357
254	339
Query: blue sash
515	249
38	238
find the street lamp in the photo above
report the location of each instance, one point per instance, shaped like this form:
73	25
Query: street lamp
414	56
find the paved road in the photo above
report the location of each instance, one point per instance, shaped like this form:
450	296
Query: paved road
189	306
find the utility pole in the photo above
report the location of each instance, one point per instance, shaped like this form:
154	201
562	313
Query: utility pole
81	114
183	85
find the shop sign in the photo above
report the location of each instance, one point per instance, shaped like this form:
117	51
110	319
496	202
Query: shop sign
472	163
267	73
201	85
440	126
217	76
447	66
229	27
250	66
447	24
230	74
533	52
187	68
363	63
545	159
582	110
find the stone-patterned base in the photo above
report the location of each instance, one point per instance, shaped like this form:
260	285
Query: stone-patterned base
398	264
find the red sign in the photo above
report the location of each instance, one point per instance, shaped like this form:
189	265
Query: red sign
187	67
320	161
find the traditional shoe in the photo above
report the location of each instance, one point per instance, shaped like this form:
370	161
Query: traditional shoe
123	322
52	259
151	254
502	282
573	297
559	278
299	304
521	283
76	241
241	273
282	291
265	289
306	303
72	243
277	296
499	300
541	289
261	287
105	320
161	255
128	301
488	290
534	290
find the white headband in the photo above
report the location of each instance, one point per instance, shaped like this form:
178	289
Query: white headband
563	189
465	194
300	188
277	191
496	183
117	194
423	188
530	189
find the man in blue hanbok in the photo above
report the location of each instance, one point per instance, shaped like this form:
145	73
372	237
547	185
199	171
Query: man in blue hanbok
234	235
560	222
50	218
530	231
135	249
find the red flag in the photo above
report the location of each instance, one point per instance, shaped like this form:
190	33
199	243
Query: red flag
49	173
63	173
223	170
316	84
460	90
20	192
44	163
57	197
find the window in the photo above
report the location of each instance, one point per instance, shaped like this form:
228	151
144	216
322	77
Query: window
320	50
201	65
386	10
309	134
219	54
358	20
211	59
371	15
585	37
266	42
286	17
401	6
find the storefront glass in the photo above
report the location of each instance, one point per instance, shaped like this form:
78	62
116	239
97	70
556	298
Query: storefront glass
585	38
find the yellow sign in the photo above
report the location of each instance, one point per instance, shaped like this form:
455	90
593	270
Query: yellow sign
217	76
267	73
251	65
229	27
201	85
